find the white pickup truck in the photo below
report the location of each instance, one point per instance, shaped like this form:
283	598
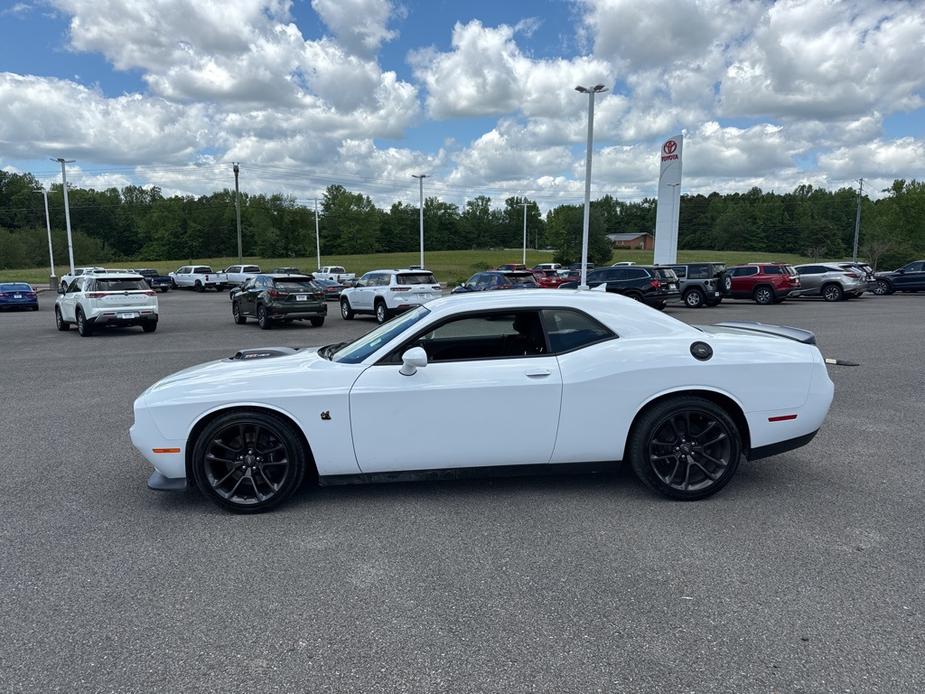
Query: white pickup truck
336	273
198	277
236	275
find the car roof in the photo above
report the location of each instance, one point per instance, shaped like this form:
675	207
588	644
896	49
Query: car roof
286	275
117	276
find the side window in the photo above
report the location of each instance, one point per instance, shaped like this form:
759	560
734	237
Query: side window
568	329
772	270
493	335
75	286
638	273
681	271
615	274
914	267
746	271
697	272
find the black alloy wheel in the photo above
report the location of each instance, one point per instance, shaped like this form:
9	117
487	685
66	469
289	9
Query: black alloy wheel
694	298
382	313
764	295
263	318
84	328
685	448
60	323
239	318
832	292
883	288
248	461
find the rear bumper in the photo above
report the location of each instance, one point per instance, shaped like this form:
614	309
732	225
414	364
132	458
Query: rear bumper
302	310
781	446
19	303
114	317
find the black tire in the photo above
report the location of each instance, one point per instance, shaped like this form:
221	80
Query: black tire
382	312
263	318
60	323
265	463
345	311
685	448
317	322
694	298
173	283
763	295
832	292
883	288
164	290
714	302
149	326
659	305
35	308
198	286
635	296
84	327
239	318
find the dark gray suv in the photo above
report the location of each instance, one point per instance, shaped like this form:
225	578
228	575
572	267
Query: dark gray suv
700	283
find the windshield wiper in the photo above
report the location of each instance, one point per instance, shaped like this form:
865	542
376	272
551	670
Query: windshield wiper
326	351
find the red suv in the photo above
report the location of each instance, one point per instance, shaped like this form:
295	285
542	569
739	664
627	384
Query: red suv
547	279
766	283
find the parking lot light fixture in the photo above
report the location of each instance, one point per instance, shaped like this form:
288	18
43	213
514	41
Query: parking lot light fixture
67	208
596	89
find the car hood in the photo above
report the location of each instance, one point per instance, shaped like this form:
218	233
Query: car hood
239	369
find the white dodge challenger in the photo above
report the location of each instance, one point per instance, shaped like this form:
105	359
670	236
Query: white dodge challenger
490	379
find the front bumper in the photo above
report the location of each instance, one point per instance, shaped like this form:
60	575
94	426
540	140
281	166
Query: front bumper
167	456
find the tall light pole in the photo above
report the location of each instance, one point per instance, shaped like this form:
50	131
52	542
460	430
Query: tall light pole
67	208
857	220
237	212
421	178
52	278
317	236
524	261
596	89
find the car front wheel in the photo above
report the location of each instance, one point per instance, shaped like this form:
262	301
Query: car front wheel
248	462
685	448
883	288
60	323
237	315
317	322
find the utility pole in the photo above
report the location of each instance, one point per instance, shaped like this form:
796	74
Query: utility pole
421	178
317	236
67	208
596	89
857	220
524	261
52	278
237	211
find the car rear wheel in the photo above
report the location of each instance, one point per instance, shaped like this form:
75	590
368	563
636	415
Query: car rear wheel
883	288
345	311
149	326
83	325
763	295
382	313
263	318
198	286
694	298
248	462
685	448
832	292
236	313
60	323
317	322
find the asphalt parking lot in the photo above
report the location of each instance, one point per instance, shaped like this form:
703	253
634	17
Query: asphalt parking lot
807	573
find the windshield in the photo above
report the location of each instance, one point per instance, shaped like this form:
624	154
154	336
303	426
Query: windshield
521	278
416	278
358	350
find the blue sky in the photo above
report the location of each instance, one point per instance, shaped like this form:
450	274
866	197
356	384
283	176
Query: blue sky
477	94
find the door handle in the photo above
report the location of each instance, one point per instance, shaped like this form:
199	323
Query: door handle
537	373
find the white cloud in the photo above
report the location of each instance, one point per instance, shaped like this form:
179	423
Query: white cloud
361	26
886	159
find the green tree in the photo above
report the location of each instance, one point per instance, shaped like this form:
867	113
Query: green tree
564	227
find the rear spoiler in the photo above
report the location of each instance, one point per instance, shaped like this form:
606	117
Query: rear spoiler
786	331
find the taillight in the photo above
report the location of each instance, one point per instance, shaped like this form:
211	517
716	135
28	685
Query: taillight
150	293
655	283
273	293
96	295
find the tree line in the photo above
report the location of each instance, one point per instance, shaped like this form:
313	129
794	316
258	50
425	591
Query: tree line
137	223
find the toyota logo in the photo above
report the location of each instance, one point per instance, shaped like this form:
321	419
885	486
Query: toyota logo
669	147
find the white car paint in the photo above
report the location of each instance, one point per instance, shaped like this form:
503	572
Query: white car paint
388	287
196	276
238	274
102	306
337	273
570	407
78	271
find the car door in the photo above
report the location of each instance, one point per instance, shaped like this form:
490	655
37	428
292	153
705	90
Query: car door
68	305
811	278
912	277
360	295
742	281
490	395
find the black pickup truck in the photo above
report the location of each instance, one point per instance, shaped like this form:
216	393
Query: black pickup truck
155	280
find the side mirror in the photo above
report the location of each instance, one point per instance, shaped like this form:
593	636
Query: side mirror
900	271
412	360
60	289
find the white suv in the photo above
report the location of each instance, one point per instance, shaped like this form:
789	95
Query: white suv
384	293
106	299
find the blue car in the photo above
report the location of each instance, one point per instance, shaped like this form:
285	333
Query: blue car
18	295
497	279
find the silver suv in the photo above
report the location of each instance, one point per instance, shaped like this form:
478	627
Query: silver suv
828	280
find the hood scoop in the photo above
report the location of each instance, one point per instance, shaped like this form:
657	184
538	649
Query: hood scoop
262	353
